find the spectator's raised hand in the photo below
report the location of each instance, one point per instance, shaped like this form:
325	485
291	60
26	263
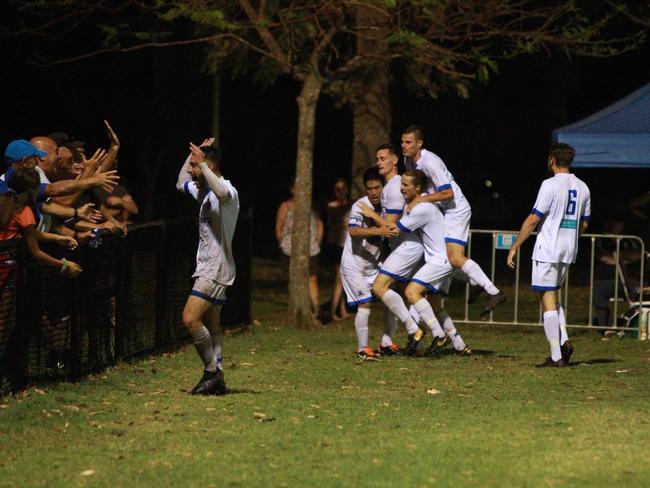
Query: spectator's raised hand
91	165
72	270
106	180
88	213
112	136
67	241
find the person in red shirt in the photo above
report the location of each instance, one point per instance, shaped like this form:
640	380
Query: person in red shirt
17	220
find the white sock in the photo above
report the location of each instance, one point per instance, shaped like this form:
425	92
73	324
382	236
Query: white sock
414	313
564	336
450	329
474	271
459	275
361	326
426	312
217	347
390	328
552	331
396	305
203	344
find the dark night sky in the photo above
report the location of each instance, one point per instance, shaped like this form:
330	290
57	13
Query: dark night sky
158	100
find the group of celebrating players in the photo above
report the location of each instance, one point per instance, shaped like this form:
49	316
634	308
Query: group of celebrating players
424	218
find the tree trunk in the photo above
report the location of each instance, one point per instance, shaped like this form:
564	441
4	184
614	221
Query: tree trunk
371	108
299	304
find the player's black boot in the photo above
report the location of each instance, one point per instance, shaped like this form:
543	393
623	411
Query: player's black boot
437	344
567	351
493	301
549	363
414	341
211	384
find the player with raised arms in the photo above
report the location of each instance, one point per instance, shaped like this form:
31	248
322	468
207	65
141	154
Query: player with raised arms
561	213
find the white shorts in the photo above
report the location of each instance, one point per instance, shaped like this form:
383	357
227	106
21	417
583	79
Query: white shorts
210	290
435	277
548	276
404	261
358	287
457	225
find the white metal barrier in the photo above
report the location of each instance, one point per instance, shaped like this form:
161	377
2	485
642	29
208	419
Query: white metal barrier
503	240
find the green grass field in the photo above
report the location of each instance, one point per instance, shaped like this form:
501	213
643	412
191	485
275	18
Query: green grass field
304	411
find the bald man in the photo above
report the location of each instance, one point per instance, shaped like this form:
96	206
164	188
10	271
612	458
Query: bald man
47	166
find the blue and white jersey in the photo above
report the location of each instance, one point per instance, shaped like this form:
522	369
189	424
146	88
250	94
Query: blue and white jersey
392	203
562	202
440	179
217	221
360	254
427	222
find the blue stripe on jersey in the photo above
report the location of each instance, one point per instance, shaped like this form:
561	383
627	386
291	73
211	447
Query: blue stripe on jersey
216	301
402	228
394	276
545	288
586	218
41	192
455	241
186	187
428	286
537	212
443	187
359	302
393	211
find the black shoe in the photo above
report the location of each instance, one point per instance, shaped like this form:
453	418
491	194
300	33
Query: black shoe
474	293
493	301
467	351
414	342
567	350
392	350
549	363
211	384
437	344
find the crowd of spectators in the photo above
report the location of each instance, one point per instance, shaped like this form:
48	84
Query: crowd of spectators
55	190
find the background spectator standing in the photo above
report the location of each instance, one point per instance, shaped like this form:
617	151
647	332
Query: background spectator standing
283	228
338	210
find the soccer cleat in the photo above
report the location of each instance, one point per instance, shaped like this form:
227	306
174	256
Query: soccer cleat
567	350
392	350
367	354
493	301
467	351
437	344
211	384
474	293
414	341
549	363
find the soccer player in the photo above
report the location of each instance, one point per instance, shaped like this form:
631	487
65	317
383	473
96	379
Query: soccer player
444	191
562	212
360	259
200	177
433	277
406	252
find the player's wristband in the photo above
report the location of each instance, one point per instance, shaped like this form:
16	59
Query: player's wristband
65	265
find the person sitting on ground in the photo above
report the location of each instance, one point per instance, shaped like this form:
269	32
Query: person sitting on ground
17	221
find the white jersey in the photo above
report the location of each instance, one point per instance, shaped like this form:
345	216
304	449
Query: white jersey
217	221
45	220
392	203
440	179
427	221
360	254
562	202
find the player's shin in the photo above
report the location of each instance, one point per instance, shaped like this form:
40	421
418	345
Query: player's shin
476	274
390	328
552	331
396	305
449	328
361	326
203	343
423	308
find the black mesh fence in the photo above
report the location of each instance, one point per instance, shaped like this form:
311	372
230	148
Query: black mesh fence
128	301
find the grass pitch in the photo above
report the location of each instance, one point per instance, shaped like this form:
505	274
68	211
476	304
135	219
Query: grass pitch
304	411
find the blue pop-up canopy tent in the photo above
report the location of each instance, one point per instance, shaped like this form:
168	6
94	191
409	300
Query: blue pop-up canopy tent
616	137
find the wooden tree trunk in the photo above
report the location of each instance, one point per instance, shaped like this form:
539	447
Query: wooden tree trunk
299	304
371	109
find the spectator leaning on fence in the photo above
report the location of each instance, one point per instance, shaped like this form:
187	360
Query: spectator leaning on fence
17	220
200	177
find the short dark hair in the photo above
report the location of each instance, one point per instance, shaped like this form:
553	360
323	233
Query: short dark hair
415	129
419	178
372	174
212	154
391	148
563	154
